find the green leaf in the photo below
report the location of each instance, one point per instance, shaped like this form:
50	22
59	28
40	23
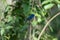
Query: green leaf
9	18
26	8
59	6
57	1
47	1
36	14
51	28
55	39
35	38
7	8
43	12
34	23
9	27
39	19
2	31
48	6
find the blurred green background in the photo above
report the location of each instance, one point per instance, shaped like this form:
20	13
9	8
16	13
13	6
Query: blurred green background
13	14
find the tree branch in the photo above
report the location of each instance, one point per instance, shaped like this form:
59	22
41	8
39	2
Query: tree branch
47	25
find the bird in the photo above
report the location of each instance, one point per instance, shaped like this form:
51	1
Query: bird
30	17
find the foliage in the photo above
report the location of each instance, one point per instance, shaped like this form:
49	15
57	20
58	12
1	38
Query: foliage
13	15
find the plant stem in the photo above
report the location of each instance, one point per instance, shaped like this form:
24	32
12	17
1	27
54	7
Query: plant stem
47	25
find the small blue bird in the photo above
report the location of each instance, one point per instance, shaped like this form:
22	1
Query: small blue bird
30	17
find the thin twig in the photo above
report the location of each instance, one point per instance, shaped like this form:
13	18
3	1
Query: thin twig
29	30
47	25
